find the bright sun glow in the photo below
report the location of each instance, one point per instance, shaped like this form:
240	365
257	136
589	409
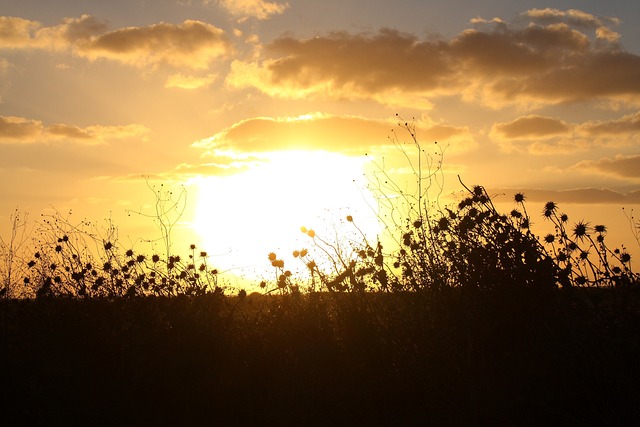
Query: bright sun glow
241	218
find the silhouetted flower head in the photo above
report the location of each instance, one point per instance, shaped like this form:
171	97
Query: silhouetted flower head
518	197
549	209
600	228
155	258
129	253
564	217
549	238
581	229
108	245
272	256
625	257
349	218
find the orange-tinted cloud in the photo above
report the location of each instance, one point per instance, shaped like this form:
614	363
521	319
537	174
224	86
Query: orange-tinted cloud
181	81
579	195
548	135
20	130
346	134
552	57
619	166
191	44
259	9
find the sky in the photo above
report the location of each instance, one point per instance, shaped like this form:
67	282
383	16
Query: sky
270	115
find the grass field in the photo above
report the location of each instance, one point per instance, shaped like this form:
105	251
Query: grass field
452	357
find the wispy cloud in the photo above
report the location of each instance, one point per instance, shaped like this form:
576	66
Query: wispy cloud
181	81
547	135
345	134
259	9
619	166
191	44
20	130
577	195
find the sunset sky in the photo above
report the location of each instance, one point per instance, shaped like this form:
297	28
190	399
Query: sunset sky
269	112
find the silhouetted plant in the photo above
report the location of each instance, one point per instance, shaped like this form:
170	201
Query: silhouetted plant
470	245
12	252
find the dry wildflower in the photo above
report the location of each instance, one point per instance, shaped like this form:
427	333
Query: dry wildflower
519	198
349	218
549	209
580	230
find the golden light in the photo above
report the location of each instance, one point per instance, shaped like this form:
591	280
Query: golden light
242	218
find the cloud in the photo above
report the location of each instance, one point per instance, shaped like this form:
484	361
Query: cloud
531	126
259	9
618	167
191	44
548	135
627	125
181	81
345	134
573	17
544	57
20	130
577	196
16	32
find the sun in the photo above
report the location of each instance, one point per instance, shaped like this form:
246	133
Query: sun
241	218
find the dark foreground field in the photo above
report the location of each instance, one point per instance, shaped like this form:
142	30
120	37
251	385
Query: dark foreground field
436	358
